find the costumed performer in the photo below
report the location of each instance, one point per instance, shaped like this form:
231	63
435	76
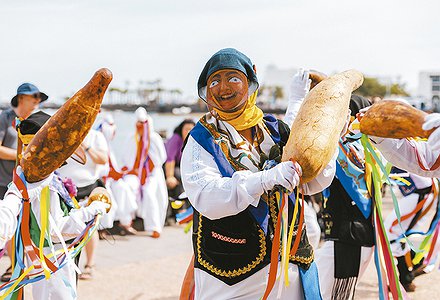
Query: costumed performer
419	196
65	222
124	195
145	157
235	210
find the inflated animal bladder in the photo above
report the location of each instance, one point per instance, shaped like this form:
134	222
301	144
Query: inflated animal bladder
394	119
321	118
64	132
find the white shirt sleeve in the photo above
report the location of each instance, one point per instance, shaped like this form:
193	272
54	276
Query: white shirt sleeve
216	197
99	142
325	178
69	226
9	209
211	194
157	150
403	154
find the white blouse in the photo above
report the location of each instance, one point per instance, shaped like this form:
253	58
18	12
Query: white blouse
215	196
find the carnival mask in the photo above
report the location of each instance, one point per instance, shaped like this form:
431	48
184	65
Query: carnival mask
227	90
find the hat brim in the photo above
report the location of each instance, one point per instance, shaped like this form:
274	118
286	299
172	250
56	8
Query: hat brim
14	100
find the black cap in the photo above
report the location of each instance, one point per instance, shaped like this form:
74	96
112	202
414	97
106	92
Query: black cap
357	103
228	58
33	123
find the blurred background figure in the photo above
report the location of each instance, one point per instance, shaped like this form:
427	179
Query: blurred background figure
145	156
26	100
172	165
86	178
124	192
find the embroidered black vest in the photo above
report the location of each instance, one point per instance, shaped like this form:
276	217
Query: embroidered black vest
235	247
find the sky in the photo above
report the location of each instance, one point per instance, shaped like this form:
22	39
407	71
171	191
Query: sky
59	44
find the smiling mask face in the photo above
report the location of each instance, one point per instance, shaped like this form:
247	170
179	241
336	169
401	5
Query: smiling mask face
227	90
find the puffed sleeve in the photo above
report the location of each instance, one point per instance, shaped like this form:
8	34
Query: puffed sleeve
409	155
9	209
211	194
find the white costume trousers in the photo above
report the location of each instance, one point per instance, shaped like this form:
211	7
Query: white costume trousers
208	287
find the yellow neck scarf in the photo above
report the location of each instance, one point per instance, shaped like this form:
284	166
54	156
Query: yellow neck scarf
249	116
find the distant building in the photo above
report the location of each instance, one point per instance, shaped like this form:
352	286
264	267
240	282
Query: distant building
429	88
272	79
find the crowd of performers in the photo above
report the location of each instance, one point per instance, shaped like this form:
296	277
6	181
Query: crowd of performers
233	177
138	190
255	230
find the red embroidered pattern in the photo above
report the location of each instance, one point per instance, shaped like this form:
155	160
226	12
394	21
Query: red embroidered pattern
227	239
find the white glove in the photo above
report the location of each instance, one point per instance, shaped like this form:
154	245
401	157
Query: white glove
285	174
298	89
87	213
362	111
300	85
433	121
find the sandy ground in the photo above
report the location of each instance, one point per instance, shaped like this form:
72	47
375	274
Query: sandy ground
139	267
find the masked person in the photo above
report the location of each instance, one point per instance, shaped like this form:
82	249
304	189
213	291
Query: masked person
66	221
145	156
234	208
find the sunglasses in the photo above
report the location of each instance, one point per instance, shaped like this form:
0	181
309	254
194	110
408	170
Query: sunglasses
36	96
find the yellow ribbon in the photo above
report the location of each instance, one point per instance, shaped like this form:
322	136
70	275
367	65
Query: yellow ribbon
44	221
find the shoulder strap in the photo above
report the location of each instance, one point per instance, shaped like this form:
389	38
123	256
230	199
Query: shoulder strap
201	134
279	130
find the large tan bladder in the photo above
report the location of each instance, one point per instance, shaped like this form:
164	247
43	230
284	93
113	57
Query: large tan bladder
316	130
62	134
394	119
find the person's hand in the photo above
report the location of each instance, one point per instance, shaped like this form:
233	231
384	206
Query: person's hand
87	213
172	182
433	121
300	85
286	174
